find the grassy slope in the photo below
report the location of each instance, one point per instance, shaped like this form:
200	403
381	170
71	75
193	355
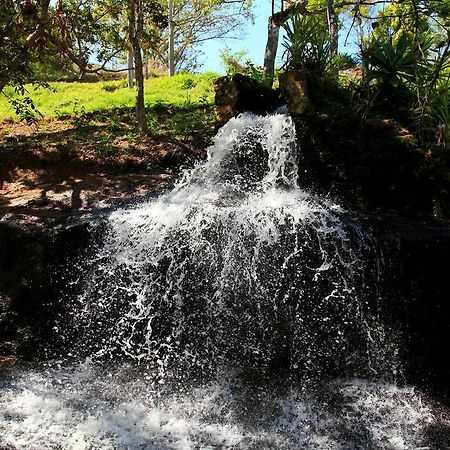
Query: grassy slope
70	99
91	142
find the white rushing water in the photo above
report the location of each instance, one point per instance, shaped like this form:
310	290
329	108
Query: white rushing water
236	263
86	407
215	315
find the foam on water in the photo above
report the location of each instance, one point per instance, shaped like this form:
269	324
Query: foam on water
90	407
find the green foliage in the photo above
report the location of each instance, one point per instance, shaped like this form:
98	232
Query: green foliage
440	112
190	120
14	56
19	24
54	69
156	168
233	62
256	73
98	29
346	61
111	87
397	19
392	62
307	46
188	84
25	109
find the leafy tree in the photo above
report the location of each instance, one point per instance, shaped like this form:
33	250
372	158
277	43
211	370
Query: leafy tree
74	31
194	22
23	31
24	37
100	29
118	27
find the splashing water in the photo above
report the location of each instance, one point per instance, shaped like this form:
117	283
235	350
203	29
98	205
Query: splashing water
235	264
87	407
198	295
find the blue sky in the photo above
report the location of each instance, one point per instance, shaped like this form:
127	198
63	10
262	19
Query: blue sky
253	39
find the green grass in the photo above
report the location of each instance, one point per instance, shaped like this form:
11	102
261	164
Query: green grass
73	98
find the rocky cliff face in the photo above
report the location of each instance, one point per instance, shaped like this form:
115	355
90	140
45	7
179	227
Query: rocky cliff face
32	263
416	296
372	164
366	165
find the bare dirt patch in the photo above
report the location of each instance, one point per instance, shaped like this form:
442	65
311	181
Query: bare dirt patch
57	168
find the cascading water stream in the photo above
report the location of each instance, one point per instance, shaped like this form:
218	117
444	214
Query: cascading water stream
193	302
237	263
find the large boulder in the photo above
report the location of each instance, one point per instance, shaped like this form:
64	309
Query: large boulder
240	93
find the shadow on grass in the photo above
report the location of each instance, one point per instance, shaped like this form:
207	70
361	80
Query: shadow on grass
99	153
107	138
191	123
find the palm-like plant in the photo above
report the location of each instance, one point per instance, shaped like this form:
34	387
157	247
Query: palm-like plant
307	46
392	62
441	111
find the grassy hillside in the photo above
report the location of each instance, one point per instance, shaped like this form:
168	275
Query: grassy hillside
88	147
74	98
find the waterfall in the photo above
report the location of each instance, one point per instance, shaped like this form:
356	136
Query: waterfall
235	311
235	264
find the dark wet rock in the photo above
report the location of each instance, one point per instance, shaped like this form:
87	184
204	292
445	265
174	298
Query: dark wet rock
37	264
240	93
29	290
373	163
437	436
415	294
6	348
414	289
365	167
380	124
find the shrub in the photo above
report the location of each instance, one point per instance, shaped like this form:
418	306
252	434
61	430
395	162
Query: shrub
346	61
307	46
111	87
233	62
391	61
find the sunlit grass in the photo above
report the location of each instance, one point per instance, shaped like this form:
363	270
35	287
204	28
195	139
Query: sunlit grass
69	99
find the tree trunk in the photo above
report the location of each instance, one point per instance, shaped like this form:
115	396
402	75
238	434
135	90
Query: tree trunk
136	25
130	65
333	26
275	22
140	105
271	51
146	72
171	40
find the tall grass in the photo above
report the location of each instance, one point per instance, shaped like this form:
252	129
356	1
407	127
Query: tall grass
72	98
